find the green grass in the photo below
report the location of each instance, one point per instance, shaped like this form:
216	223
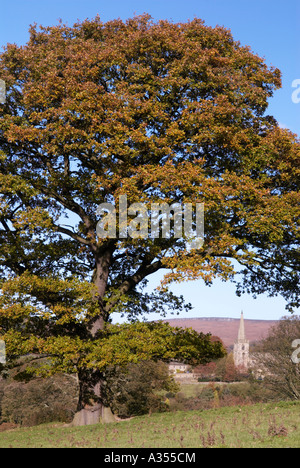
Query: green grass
262	425
192	390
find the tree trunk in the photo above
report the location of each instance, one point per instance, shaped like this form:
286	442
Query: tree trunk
93	415
90	408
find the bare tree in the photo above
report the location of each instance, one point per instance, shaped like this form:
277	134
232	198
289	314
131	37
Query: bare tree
276	358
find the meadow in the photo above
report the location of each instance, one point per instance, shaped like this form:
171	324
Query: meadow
272	425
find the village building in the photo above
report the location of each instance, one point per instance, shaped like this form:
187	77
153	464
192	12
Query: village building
176	367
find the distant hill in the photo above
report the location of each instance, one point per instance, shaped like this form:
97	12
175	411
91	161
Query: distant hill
225	328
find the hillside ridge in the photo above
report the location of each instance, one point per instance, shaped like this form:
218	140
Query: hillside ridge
226	328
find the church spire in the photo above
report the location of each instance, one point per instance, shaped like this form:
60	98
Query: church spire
241	347
241	335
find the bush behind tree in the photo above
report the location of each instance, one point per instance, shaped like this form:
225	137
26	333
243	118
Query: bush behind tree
138	389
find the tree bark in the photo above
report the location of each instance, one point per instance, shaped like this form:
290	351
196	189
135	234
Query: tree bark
93	415
90	408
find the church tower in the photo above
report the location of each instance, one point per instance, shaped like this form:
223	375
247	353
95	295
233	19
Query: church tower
241	347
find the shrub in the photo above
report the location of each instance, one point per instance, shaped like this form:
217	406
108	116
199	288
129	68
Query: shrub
137	389
213	395
39	400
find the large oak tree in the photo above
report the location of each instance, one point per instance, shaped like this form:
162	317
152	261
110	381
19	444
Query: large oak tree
159	112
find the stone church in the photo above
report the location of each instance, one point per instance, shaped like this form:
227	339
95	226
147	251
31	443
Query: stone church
241	348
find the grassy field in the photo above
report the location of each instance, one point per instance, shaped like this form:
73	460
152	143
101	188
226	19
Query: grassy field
262	425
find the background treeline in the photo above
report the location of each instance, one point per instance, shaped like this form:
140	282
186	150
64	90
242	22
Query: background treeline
137	390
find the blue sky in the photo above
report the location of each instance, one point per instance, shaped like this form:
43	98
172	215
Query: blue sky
270	27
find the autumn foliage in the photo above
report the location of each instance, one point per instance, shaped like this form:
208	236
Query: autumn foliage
158	112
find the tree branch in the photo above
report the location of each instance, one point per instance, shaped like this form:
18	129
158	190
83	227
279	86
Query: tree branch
74	236
145	269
